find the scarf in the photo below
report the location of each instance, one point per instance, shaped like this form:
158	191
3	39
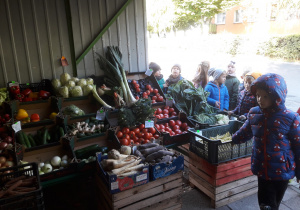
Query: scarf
159	77
233	75
172	80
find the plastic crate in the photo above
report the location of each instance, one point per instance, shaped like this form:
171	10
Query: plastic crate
30	200
214	151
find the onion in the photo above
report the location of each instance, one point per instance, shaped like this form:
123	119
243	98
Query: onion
2	160
55	161
9	164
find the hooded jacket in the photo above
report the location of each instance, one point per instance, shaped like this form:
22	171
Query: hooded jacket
217	94
232	83
245	103
276	132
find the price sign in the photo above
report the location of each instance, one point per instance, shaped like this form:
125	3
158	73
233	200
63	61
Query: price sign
149	72
100	115
17	126
169	102
199	132
149	124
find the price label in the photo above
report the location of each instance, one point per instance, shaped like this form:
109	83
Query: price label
149	124
114	185
100	115
13	82
149	72
27	83
169	102
17	126
141	177
199	132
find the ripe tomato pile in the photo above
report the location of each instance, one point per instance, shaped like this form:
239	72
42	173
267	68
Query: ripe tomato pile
137	136
166	112
146	91
173	127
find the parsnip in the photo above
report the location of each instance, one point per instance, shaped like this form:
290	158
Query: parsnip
122	169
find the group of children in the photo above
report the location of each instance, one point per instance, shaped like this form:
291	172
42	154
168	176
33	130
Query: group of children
275	130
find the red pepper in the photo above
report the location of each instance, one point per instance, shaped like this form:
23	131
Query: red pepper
19	97
27	99
26	92
44	94
14	90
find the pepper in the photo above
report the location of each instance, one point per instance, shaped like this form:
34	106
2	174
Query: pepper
19	97
53	116
27	99
26	92
44	94
26	120
22	114
35	117
14	90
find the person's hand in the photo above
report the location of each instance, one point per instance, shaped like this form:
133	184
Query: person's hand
242	117
217	104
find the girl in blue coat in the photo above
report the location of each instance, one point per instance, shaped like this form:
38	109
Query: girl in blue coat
218	94
276	146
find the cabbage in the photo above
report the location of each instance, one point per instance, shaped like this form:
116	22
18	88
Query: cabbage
76	91
64	78
64	91
70	84
89	81
56	84
87	89
222	119
75	79
81	82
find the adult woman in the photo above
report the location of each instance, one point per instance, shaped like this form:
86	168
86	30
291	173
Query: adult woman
201	77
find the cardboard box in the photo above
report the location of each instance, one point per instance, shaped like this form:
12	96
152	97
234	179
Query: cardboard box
117	184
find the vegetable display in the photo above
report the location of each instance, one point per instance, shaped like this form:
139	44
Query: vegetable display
27	94
73	111
166	112
173	127
224	138
212	119
54	164
189	99
3	95
4	119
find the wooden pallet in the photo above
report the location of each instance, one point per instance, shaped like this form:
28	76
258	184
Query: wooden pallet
185	147
223	183
164	193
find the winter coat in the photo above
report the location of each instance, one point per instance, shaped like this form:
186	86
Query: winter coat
245	102
241	87
217	94
276	132
232	83
161	83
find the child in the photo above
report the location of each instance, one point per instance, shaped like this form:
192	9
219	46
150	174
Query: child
232	83
201	78
218	94
174	77
276	146
246	99
298	111
241	86
157	74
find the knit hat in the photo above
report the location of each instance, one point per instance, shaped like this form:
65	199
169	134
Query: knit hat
215	73
254	74
177	65
154	66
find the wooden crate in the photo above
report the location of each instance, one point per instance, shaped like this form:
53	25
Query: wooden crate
185	148
223	183
164	193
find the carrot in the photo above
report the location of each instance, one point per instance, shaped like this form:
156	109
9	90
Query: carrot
15	180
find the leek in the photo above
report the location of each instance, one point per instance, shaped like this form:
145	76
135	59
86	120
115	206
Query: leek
97	97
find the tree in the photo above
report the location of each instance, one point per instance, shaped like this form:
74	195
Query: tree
198	12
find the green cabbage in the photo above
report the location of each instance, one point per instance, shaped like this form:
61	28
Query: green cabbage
73	111
64	92
64	78
56	84
76	91
75	79
81	83
89	81
87	89
70	84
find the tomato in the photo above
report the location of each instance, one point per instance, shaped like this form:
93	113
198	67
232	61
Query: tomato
172	123
178	122
151	135
168	129
136	130
184	125
145	96
135	139
157	126
153	101
132	134
175	127
138	90
165	111
156	136
186	128
141	140
119	134
171	110
178	131
151	90
155	91
136	85
162	130
126	136
152	130
147	136
148	87
166	124
137	143
146	141
154	97
133	82
141	135
160	98
137	98
142	126
124	142
145	130
158	111
161	115
131	141
174	114
184	132
157	95
162	127
172	133
148	92
167	107
125	130
157	116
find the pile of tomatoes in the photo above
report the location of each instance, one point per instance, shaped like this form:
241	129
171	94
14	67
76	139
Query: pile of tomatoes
173	127
137	136
149	92
166	112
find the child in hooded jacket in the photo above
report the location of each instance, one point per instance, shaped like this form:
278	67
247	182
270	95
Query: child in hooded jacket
242	86
174	77
276	145
232	83
246	100
157	74
218	94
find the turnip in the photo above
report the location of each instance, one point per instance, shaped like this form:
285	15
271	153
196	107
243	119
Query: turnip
64	163
55	161
47	168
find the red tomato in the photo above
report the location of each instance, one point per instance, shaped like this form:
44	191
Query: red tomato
148	87
171	110
145	94
165	111
126	136
137	98
131	141
186	128
174	114
132	134
137	143
142	126
151	135
153	101
157	95
125	130
160	98
136	85
141	135
178	122
156	136
154	97
157	126
177	131
152	130
145	130
133	82
152	139
184	125
167	107
158	111
168	129
151	90
161	115
141	140
162	130
136	139
146	141
157	116
119	134
155	91
147	136
162	127
173	133
184	132
175	127
124	142
138	90
166	124
136	130
148	92
172	123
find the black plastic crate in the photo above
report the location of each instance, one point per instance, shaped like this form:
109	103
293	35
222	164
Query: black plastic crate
30	200
214	151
